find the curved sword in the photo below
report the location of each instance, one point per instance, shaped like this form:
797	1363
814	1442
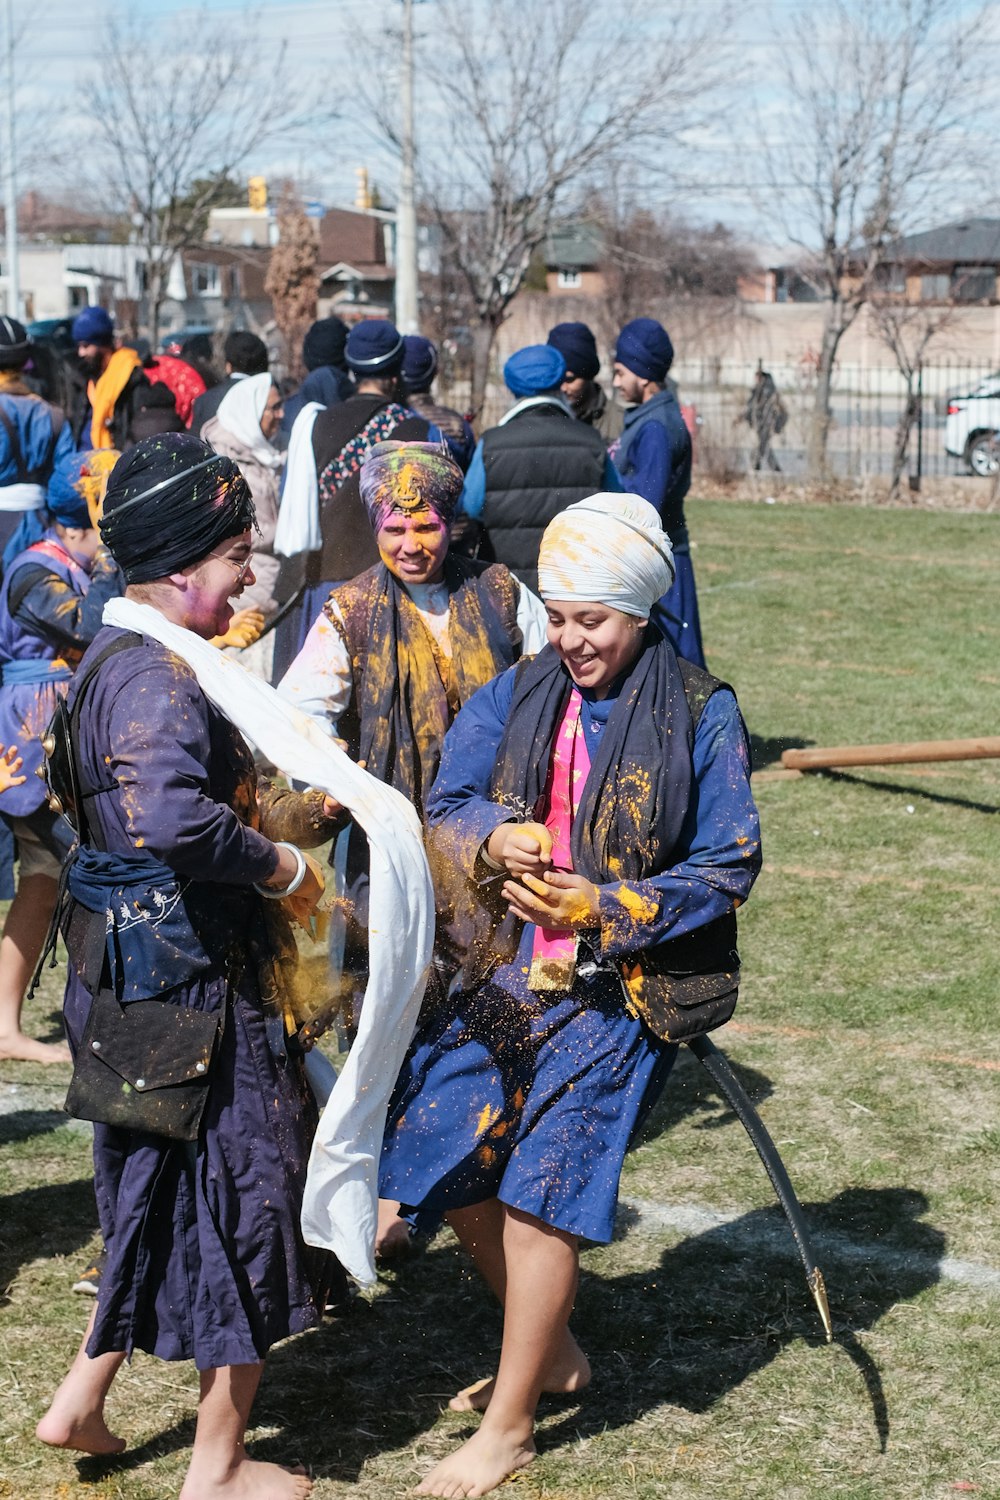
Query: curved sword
724	1077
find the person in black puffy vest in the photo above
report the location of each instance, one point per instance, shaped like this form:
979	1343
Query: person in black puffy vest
537	460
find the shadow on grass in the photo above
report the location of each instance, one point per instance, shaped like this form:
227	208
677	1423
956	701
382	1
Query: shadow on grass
919	793
714	1310
690	1093
765	751
52	1220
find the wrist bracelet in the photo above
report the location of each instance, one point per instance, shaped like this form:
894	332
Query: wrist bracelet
296	880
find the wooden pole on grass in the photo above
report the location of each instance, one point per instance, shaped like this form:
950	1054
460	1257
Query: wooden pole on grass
899	754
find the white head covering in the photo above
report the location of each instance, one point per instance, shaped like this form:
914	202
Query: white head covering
240	411
607	549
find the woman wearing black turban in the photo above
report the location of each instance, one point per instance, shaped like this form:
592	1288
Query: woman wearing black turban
205	1259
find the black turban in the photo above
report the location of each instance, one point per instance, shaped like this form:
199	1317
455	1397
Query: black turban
170	501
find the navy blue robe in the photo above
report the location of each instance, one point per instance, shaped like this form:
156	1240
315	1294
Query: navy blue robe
205	1258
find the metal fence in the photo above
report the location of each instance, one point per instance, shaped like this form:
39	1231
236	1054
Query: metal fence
867	406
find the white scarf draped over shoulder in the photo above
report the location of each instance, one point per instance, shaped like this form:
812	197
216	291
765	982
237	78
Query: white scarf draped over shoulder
340	1205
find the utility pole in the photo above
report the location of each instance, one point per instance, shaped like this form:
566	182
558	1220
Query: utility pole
407	317
10	196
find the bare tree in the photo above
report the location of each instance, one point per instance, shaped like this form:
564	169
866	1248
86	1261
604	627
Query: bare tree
175	125
292	280
864	139
907	329
520	106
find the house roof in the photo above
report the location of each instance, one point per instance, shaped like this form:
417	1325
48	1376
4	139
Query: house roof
966	242
574	246
345	271
346	235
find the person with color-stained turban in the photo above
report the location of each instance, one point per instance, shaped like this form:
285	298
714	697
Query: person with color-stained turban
397	651
653	456
46	623
592	832
537	460
170	930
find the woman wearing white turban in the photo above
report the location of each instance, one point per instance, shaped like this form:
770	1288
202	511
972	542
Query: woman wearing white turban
593	832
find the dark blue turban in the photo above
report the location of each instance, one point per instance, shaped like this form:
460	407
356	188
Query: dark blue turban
65	497
93	326
324	343
420	362
375	347
644	347
578	348
537	368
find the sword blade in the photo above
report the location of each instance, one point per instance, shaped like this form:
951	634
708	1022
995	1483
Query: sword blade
723	1075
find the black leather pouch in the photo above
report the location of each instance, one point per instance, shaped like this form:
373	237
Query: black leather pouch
144	1066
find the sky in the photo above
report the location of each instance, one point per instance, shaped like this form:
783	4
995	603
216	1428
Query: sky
722	171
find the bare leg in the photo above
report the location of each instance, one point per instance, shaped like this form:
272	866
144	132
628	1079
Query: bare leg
75	1419
392	1236
20	948
542	1266
219	1468
481	1230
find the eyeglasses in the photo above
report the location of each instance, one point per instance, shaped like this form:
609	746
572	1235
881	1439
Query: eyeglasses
242	568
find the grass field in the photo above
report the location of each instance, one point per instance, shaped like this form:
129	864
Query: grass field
864	1030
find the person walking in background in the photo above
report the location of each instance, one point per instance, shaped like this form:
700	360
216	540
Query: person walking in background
653	456
766	414
420	365
578	347
537	460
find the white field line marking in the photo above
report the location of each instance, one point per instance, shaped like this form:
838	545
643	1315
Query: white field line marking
687	1219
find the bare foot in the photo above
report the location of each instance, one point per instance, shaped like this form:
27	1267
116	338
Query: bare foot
569	1372
85	1432
479	1465
248	1481
17	1047
392	1236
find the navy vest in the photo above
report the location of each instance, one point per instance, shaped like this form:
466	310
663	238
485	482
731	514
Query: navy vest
536	464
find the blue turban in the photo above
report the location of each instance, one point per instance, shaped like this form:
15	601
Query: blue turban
324	343
644	347
578	348
420	362
65	499
537	368
93	326
375	347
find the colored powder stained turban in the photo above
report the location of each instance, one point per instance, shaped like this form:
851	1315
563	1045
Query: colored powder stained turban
408	477
170	501
607	549
534	369
74	491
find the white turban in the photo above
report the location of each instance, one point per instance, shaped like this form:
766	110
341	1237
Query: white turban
607	549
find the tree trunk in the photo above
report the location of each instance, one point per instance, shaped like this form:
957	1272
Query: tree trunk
901	448
820	422
483	334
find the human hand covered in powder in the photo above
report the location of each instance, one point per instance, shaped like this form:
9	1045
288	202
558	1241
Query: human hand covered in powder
558	900
521	848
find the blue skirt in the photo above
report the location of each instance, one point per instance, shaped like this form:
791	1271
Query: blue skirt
532	1099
